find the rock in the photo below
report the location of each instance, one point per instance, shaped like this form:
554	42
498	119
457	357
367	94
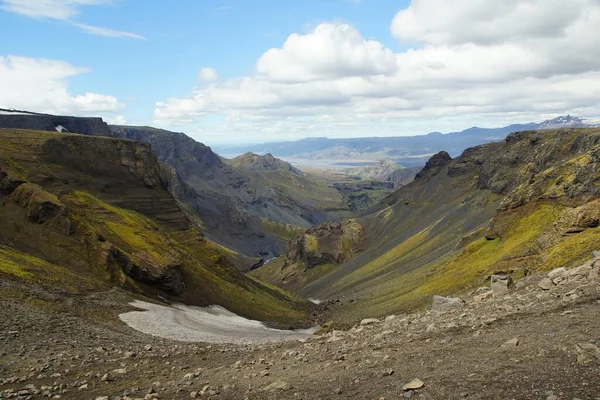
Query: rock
483	296
501	284
106	377
582	270
587	352
442	304
387	372
514	342
279	385
557	273
119	371
193	395
369	321
83	387
552	397
546	284
102	398
413	385
338	391
148	347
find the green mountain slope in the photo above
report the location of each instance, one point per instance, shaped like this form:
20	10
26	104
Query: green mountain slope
527	203
83	213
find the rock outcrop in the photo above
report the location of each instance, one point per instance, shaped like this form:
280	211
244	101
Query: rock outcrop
330	243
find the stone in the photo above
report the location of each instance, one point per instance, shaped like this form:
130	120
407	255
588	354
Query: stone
483	296
587	353
514	342
413	385
279	385
582	270
119	371
501	284
106	377
83	387
193	395
387	372
102	398
369	321
546	284
442	304
557	273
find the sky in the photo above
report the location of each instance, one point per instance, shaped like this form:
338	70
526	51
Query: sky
243	71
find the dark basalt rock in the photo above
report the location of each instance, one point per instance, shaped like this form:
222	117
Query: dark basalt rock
433	165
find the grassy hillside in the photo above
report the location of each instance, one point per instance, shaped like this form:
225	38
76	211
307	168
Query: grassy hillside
527	203
86	213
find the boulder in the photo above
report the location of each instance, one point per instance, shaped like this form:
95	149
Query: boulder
413	385
546	284
369	321
501	284
442	304
583	270
278	385
557	273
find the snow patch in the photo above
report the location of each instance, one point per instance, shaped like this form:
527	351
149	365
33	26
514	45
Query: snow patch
213	324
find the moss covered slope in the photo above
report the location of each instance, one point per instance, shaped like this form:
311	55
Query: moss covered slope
527	203
85	213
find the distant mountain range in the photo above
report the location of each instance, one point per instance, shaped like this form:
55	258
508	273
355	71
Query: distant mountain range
405	150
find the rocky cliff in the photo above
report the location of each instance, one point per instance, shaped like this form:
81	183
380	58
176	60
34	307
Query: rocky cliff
46	122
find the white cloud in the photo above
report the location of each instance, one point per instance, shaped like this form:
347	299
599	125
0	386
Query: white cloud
330	51
208	74
64	10
55	9
465	21
41	85
97	30
484	62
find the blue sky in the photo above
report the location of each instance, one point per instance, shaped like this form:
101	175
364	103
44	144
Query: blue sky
349	68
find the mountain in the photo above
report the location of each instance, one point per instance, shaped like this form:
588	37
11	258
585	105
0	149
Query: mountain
253	205
405	150
526	204
84	214
563	122
268	163
386	171
238	208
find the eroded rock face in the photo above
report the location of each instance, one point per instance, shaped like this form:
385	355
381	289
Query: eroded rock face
8	184
575	220
166	277
41	205
330	243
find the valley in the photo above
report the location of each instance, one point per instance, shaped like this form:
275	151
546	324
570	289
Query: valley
151	250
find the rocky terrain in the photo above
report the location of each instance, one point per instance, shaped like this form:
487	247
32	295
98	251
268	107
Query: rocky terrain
537	338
